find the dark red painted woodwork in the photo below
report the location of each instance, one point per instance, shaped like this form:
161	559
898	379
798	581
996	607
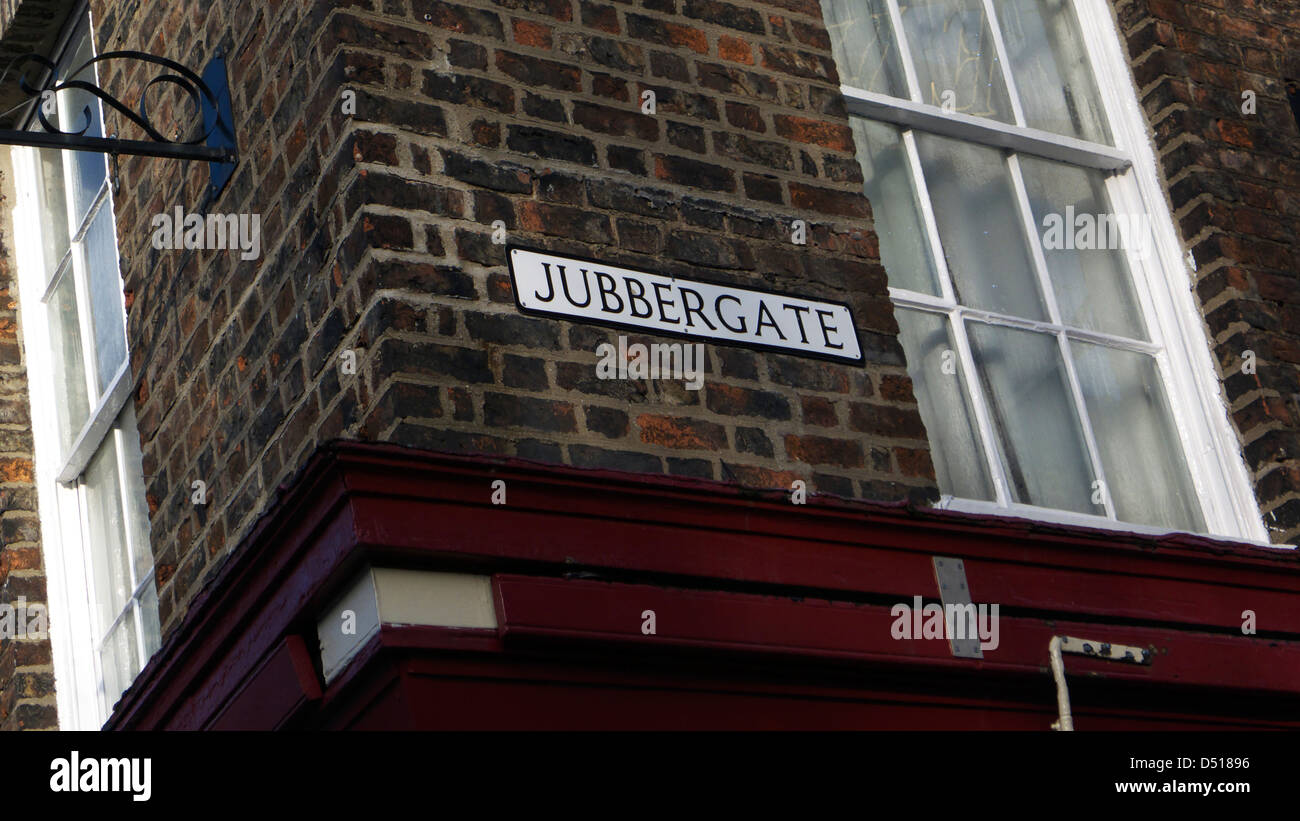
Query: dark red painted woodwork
275	692
602	612
752	592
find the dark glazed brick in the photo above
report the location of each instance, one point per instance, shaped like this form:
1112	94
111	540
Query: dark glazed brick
695	468
459	18
476	91
497	176
608	422
694	173
507	410
512	329
586	456
548	144
524	372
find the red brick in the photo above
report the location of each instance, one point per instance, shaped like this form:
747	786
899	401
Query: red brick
529	33
835	136
735	49
824	450
681	432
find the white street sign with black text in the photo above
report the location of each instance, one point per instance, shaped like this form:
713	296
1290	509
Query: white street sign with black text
608	294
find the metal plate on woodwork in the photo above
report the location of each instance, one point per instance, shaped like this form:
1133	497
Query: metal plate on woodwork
950	575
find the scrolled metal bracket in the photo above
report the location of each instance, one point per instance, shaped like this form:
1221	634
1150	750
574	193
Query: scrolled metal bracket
209	95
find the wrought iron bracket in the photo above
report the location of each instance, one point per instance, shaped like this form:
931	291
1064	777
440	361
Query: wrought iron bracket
209	95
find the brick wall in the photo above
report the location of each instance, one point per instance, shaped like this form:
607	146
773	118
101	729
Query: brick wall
26	664
1234	184
376	238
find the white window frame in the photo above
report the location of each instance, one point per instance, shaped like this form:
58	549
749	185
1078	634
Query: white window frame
76	636
1163	282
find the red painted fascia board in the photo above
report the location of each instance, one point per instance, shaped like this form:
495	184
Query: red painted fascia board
411	671
601	612
354	498
273	693
1040	576
714	533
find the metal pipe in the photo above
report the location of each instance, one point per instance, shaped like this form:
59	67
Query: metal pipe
1065	723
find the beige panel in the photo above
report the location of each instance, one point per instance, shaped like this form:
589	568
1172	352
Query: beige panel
435	599
337	647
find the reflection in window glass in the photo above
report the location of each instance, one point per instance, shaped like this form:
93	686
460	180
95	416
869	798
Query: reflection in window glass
1140	450
54	205
1041	438
864	47
72	405
118	659
980	227
108	537
1051	69
99	261
953	51
896	207
955	446
1093	285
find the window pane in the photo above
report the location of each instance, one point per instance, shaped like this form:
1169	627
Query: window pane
1089	272
863	44
1040	438
1050	66
953	50
77	110
979	226
71	403
149	616
937	379
1145	468
136	505
895	207
107	533
54	207
99	256
119	660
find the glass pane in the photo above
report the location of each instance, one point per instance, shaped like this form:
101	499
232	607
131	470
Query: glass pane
149	617
72	405
1139	444
1049	63
863	45
979	227
1040	438
77	110
953	50
895	207
136	505
99	256
119	659
107	533
53	209
1082	245
937	376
